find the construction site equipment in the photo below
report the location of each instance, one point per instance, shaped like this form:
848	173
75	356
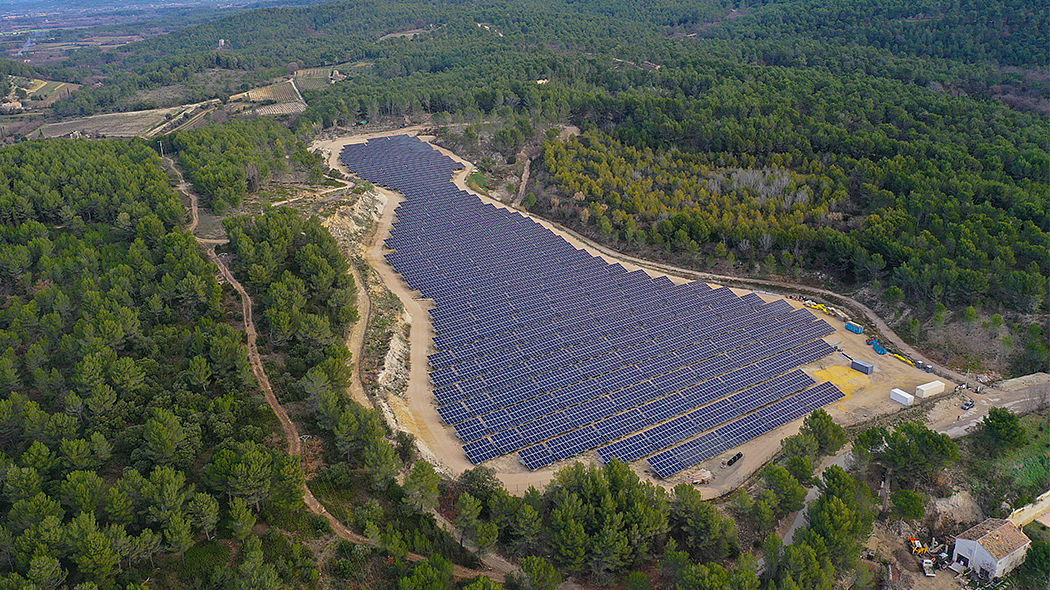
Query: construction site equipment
854	328
862	366
902	397
929	389
927	568
917	548
904	359
878	347
937	550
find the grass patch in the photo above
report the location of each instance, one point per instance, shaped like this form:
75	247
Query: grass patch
478	182
1030	464
1016	476
336	499
200	560
1037	532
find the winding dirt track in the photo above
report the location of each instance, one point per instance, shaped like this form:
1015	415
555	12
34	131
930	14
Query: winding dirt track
291	432
356	340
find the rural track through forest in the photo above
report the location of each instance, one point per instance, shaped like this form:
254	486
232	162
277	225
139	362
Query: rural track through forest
291	431
355	341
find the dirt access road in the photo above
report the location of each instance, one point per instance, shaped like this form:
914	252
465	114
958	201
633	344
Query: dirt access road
291	431
355	341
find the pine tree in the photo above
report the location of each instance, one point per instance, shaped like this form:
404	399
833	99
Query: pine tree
468	511
608	549
485	535
178	536
255	572
46	572
540	574
241	518
421	487
381	463
1002	429
163	436
204	513
526	527
829	435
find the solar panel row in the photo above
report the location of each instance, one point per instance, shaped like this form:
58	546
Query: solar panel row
740	431
539	341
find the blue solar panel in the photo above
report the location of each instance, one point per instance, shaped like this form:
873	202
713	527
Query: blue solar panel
480	450
539	341
744	429
536	456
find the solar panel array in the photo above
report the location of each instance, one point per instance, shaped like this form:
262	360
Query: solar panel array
547	351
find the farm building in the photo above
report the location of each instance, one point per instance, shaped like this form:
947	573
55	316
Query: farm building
992	548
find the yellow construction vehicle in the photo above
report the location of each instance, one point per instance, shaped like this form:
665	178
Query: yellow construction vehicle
917	548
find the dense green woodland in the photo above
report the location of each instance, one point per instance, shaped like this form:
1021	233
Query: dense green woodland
969	40
225	162
965	30
129	427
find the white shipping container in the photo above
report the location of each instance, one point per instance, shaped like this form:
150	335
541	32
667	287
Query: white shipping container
928	389
902	397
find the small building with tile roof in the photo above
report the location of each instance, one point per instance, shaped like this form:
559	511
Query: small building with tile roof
992	548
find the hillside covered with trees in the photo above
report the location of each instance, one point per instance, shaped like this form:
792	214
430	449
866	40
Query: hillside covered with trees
226	162
897	152
131	424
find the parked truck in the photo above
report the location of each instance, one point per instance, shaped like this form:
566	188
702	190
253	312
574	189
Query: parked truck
927	568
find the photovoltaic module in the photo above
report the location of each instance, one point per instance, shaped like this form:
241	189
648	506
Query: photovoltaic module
547	351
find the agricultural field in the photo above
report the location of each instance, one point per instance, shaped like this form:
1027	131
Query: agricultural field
275	100
320	77
37	94
280	92
281	108
132	124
